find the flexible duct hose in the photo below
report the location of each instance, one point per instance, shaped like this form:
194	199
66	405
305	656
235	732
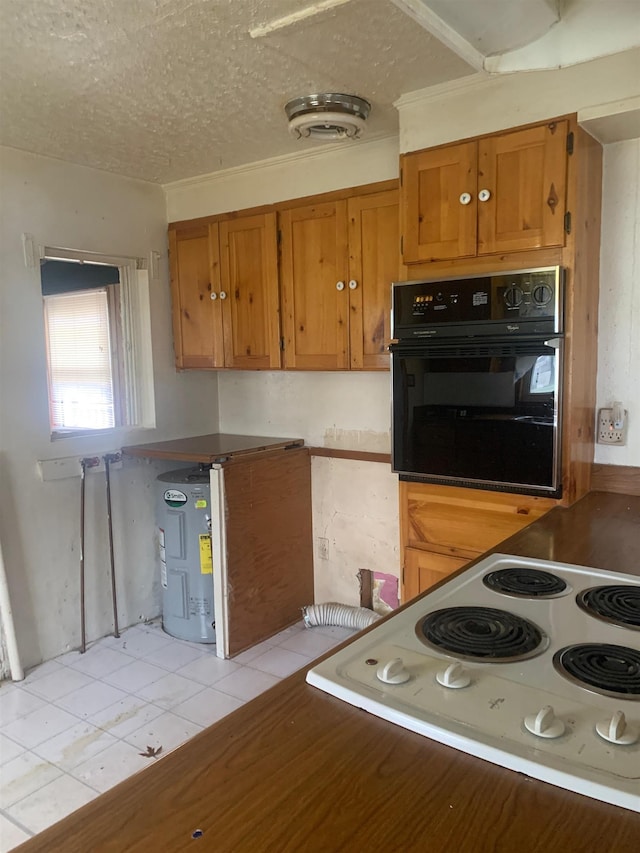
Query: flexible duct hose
342	615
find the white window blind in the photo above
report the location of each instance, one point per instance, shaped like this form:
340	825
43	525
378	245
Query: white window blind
81	388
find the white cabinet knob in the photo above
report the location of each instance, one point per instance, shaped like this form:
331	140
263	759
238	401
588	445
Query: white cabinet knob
353	284
544	723
340	285
484	195
223	294
214	296
615	730
393	672
454	676
465	198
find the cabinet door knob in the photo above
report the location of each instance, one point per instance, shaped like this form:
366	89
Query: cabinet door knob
340	285
484	195
223	294
214	295
465	198
353	284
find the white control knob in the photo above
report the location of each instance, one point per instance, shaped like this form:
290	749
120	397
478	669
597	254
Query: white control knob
214	295
484	195
353	284
393	672
544	723
465	198
223	295
615	730
455	676
340	285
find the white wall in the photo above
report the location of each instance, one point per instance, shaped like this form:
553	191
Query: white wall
70	206
619	315
355	508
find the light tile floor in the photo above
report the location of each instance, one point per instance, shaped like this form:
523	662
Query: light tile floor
77	725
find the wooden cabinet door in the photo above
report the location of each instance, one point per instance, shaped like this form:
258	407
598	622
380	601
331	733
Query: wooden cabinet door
314	260
436	224
423	569
374	261
197	323
525	175
249	292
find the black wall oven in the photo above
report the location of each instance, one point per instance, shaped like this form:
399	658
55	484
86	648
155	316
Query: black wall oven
476	367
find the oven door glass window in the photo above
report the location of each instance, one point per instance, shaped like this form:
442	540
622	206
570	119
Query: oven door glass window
477	415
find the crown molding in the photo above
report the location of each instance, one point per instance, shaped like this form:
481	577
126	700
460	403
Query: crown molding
443	90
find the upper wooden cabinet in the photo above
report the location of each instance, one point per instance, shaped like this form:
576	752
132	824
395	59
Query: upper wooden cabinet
249	277
224	284
197	328
338	259
374	259
501	193
314	260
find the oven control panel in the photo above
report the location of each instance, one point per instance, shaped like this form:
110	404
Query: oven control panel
524	301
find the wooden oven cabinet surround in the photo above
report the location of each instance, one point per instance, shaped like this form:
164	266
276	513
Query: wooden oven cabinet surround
326	260
442	528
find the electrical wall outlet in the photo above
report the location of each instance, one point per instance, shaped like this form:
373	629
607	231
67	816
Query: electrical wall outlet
322	548
612	426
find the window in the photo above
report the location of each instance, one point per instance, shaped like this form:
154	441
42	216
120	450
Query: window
94	321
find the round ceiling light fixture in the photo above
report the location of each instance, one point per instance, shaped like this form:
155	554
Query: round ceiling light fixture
327	116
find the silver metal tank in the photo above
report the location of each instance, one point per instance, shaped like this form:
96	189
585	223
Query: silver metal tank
186	565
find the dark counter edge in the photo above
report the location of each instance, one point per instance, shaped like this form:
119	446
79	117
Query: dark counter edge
294	761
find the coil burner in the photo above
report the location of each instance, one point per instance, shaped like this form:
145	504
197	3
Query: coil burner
618	604
602	668
481	633
524	582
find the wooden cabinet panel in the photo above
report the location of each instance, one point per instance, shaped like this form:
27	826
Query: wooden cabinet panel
374	240
515	187
465	521
249	278
269	544
315	312
197	326
436	225
525	174
423	569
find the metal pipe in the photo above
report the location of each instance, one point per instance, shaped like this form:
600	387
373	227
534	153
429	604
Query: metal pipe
83	633
108	458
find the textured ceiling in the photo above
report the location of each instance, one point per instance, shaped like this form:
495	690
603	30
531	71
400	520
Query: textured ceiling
168	89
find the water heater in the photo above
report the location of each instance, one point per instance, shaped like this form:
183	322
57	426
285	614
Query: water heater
186	564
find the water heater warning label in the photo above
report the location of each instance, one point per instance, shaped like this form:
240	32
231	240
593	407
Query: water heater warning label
206	557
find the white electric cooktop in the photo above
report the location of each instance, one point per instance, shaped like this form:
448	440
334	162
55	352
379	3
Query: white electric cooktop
530	664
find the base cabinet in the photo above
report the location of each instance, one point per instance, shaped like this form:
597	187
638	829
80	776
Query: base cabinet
442	528
423	569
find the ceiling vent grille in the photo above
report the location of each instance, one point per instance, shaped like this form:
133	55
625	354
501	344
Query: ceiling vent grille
327	116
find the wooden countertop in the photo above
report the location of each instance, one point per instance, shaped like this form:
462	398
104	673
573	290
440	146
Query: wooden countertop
210	448
298	771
